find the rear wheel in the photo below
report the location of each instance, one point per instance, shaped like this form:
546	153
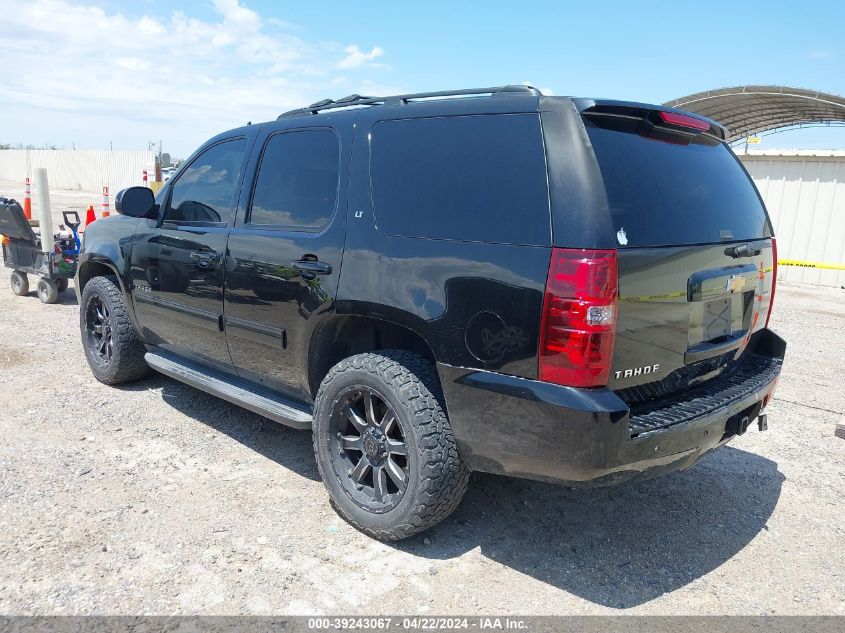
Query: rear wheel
47	291
61	284
20	283
384	445
112	347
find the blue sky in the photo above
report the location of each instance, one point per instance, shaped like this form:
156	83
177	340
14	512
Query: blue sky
90	73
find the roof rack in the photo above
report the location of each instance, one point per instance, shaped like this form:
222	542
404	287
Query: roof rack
359	100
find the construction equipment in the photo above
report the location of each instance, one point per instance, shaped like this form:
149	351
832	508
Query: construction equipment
23	253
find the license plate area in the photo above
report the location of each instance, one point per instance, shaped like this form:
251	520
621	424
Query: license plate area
717	319
721	303
720	320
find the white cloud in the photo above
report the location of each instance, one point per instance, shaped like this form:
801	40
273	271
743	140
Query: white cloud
150	27
820	53
237	15
356	58
79	73
133	63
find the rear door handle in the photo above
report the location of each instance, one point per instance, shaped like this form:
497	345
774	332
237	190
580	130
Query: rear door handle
742	250
308	267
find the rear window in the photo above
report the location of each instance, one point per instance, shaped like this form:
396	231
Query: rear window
472	178
669	189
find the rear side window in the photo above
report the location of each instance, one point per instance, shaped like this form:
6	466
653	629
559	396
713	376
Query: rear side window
297	180
670	190
471	178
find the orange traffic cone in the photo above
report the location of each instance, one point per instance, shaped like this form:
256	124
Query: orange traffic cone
27	202
90	216
106	211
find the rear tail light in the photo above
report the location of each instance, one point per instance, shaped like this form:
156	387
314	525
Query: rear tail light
774	279
578	325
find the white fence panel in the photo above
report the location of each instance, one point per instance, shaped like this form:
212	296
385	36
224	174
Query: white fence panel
805	196
81	170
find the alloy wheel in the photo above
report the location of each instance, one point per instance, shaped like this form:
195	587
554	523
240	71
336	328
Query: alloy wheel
98	328
369	455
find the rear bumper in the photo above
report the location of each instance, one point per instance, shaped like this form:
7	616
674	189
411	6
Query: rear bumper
526	428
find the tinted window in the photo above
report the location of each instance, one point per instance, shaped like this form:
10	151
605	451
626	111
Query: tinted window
297	180
478	178
669	190
206	189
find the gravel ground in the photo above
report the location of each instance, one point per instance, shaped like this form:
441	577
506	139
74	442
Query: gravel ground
155	498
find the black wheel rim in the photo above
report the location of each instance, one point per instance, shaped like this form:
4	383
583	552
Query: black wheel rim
367	449
98	330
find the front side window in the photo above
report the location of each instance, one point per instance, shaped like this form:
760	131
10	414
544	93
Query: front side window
297	181
205	191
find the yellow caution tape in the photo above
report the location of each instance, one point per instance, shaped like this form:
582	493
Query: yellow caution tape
802	264
669	295
781	262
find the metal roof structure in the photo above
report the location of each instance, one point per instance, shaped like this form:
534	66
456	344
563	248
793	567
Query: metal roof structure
750	110
834	154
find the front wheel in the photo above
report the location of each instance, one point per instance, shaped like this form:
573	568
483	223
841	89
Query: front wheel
112	347
384	445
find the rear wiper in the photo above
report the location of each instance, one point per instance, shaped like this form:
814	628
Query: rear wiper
742	250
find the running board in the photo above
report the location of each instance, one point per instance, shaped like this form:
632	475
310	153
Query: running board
270	406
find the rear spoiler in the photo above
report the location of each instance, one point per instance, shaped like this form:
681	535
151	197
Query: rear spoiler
671	118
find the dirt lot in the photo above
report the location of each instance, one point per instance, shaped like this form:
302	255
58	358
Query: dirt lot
155	498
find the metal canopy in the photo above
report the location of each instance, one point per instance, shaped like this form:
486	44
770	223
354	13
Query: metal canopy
747	110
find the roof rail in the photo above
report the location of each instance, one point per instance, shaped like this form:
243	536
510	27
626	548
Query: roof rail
358	100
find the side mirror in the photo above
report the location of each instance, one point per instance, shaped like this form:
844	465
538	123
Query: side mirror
136	202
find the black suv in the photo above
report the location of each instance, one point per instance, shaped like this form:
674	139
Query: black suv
571	290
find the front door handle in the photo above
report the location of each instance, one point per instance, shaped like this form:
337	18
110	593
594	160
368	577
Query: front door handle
309	268
205	258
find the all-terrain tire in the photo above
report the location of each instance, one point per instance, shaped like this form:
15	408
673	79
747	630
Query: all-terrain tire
126	362
47	291
438	476
20	283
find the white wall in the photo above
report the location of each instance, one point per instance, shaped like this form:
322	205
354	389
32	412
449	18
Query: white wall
81	170
805	196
